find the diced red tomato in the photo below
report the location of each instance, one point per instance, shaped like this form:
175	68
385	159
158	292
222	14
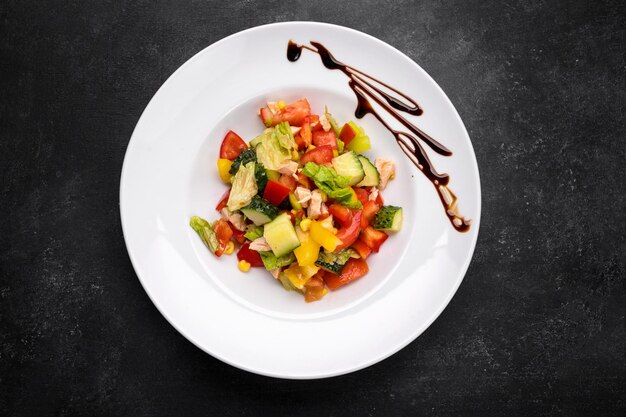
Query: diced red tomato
237	234
320	155
275	192
249	255
353	270
348	233
361	248
314	288
305	132
361	194
223	200
224	233
266	116
293	113
341	213
373	238
232	145
321	138
370	208
347	134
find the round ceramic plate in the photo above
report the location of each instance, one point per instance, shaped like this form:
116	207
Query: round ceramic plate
247	319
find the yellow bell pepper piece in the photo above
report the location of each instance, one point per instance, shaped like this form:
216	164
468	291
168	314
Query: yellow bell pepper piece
308	251
299	275
309	270
281	104
323	236
223	166
305	224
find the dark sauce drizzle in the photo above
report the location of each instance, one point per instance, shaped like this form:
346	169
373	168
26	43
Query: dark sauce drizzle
391	100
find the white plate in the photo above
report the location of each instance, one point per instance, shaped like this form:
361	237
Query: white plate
248	320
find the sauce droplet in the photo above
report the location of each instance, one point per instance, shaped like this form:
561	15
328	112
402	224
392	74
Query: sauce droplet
293	51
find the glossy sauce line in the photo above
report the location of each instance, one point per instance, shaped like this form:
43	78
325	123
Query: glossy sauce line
408	142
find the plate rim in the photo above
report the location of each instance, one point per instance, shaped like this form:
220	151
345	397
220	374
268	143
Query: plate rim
410	336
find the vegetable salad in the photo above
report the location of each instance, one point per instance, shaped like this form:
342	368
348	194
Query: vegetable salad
303	202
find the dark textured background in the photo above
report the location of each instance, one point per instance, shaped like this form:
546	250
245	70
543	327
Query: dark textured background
537	328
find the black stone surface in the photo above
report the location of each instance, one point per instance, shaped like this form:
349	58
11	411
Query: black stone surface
537	327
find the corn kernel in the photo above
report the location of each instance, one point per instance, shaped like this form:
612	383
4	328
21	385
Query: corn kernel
230	248
281	104
335	153
305	224
323	195
295	155
244	266
310	148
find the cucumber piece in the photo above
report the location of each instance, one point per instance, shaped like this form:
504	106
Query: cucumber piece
261	177
247	155
334	262
281	235
350	166
272	175
388	218
260	211
256	141
372	177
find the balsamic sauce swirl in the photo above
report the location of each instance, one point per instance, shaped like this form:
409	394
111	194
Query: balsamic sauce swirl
393	101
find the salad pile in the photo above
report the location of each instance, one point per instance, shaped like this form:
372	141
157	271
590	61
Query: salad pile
302	202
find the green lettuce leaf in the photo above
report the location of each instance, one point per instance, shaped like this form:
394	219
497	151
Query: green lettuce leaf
334	185
272	262
205	231
244	187
285	135
269	150
332	121
253	232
